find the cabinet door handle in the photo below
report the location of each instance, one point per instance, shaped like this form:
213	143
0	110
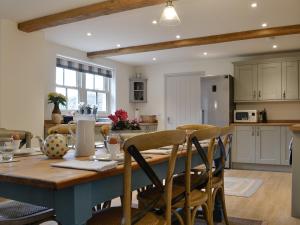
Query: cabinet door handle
257	131
254	94
259	94
283	95
252	131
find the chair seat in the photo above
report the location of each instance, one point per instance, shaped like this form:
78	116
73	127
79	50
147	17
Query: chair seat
147	196
23	213
114	215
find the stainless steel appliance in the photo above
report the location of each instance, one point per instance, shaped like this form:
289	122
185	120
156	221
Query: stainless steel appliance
217	102
245	116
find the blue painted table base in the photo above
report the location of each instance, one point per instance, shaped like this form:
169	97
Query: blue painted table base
73	204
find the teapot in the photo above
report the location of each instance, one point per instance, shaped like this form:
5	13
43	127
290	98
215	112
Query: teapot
55	146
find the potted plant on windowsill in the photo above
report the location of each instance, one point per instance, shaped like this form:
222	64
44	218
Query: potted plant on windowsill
57	99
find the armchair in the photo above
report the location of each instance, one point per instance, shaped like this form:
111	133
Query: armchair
25	136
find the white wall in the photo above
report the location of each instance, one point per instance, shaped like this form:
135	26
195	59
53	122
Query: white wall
156	81
22	79
27	75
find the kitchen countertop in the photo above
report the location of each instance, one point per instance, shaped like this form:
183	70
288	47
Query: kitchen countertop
270	123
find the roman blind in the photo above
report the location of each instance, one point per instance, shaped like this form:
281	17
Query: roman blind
82	67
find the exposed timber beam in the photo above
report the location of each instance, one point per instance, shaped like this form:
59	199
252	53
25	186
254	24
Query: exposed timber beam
85	12
207	40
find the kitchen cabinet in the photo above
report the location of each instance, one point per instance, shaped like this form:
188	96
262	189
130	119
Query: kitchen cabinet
245	78
261	144
138	90
269	81
244	144
286	137
290	80
268	145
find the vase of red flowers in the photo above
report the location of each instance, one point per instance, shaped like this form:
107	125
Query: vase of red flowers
120	121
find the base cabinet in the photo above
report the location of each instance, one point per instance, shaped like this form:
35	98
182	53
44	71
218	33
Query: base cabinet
268	145
286	137
244	145
261	145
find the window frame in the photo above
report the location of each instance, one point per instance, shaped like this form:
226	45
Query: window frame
82	90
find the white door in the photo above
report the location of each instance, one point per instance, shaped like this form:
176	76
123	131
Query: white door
183	102
269	81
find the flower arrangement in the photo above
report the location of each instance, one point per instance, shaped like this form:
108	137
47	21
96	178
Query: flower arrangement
57	99
120	121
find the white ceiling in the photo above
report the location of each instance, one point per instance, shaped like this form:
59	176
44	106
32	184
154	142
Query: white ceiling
199	18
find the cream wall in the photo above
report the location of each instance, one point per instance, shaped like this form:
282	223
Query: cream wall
22	79
27	75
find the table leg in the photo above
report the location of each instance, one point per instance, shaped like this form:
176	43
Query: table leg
74	205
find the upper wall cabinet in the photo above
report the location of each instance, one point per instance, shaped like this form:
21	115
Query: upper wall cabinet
267	81
245	78
138	90
290	80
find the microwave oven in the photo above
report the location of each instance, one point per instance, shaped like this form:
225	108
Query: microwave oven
245	116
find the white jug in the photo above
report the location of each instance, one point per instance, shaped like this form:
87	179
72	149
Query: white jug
84	137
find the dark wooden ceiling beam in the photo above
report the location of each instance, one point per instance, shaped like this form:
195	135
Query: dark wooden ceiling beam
213	39
85	12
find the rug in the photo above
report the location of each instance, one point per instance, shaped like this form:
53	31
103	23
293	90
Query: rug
242	187
236	221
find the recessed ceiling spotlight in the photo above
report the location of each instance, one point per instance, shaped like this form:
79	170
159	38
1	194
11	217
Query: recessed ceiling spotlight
275	46
154	22
264	24
254	5
88	34
118	45
154	59
178	36
205	53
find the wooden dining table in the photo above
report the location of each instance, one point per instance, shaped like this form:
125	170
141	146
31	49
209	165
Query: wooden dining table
73	193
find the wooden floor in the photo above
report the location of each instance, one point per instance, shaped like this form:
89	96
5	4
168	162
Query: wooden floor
272	202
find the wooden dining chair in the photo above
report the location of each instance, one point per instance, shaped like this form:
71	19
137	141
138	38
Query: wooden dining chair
224	147
192	195
20	213
132	149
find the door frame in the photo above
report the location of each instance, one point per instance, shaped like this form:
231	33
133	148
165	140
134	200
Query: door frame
181	74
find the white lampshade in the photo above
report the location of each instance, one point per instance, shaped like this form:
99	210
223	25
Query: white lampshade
169	16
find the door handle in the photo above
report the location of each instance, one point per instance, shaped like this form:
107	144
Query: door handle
259	94
168	119
254	94
283	95
252	131
202	116
257	131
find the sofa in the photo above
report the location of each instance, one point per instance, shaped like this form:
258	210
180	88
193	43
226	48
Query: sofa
25	136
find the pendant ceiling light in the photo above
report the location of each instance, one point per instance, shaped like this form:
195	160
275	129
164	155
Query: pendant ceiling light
169	16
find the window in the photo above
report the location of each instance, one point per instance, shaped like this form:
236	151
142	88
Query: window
89	88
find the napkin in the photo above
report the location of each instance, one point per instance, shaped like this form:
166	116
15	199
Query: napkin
87	165
158	151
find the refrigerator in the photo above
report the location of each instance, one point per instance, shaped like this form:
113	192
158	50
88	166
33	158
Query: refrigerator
217	104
